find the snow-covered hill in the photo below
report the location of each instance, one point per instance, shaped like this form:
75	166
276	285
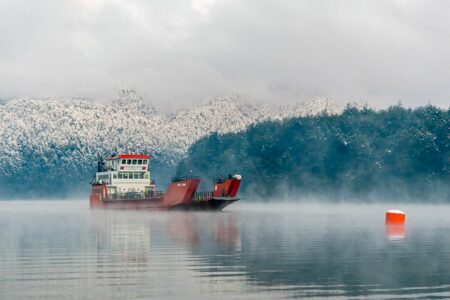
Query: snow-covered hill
51	136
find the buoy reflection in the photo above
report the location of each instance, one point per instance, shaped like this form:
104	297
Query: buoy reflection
395	231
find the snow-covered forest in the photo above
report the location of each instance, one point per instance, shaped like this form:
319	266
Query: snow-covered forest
384	155
49	147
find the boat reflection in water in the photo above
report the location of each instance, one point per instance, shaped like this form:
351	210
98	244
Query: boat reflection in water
219	231
166	255
129	239
122	240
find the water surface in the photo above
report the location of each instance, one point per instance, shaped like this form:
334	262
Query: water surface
64	250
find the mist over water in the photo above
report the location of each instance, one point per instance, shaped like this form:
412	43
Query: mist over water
62	249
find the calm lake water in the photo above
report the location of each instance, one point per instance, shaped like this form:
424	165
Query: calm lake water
64	250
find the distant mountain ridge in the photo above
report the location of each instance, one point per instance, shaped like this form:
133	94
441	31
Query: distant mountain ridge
128	124
46	137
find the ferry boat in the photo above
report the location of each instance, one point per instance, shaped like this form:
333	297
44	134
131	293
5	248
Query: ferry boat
123	181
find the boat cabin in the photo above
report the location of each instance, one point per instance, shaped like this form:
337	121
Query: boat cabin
126	175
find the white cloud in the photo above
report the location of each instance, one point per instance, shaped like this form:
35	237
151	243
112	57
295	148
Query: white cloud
203	6
183	51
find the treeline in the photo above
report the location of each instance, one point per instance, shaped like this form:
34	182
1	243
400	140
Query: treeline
64	172
391	154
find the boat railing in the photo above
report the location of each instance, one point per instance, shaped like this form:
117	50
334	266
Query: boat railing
135	195
128	195
183	178
199	196
157	194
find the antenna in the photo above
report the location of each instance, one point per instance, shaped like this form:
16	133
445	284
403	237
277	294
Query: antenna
100	163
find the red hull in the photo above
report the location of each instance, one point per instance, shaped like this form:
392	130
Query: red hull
180	195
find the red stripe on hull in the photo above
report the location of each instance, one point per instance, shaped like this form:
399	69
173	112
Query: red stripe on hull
142	203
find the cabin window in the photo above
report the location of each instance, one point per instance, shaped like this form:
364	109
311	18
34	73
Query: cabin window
141	175
134	161
120	176
136	176
145	161
115	176
103	177
129	162
124	161
139	161
146	176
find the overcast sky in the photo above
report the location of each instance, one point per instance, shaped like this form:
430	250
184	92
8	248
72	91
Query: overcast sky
182	51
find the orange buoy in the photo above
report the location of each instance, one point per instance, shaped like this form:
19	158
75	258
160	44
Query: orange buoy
394	216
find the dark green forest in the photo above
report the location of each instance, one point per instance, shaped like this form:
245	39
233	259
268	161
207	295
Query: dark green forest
362	154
